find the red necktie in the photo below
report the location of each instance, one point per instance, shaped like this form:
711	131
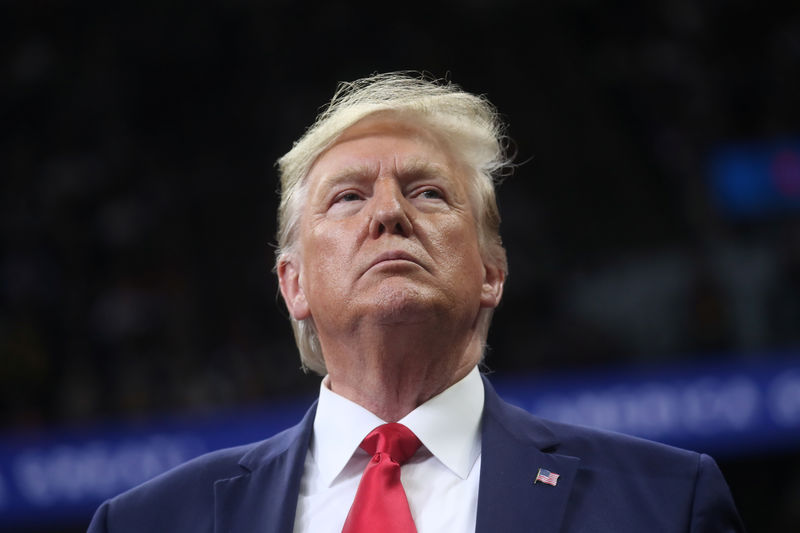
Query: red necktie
380	504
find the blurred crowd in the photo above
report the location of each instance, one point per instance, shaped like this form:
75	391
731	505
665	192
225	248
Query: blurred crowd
138	193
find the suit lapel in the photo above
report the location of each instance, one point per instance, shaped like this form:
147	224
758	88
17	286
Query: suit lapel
264	497
514	447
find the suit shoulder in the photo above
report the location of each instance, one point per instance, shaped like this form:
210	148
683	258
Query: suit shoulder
578	436
185	494
654	475
620	449
615	482
219	464
594	445
189	481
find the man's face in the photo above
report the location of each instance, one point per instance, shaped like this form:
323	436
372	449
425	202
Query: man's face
387	235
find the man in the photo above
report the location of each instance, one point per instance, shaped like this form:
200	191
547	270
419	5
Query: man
390	263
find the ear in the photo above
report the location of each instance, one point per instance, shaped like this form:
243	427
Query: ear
289	278
492	288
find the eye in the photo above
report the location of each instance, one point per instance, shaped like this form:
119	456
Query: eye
348	197
431	194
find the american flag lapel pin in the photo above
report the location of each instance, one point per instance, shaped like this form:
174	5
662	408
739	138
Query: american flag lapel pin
546	476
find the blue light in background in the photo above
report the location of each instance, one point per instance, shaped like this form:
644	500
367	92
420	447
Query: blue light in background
756	179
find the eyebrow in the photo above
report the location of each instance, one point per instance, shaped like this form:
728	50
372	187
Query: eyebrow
422	167
354	172
412	167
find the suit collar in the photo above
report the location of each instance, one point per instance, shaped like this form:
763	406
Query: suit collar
515	445
447	424
339	427
264	497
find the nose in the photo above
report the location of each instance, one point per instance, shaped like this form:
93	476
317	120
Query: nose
389	213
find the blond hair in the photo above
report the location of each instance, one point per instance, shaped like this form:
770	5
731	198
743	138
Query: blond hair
468	125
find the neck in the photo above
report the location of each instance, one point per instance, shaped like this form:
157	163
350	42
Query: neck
396	371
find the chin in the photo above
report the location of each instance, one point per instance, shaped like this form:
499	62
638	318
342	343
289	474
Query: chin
405	304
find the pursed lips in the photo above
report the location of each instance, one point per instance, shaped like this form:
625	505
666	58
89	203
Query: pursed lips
394	255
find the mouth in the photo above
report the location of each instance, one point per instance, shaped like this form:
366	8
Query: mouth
392	257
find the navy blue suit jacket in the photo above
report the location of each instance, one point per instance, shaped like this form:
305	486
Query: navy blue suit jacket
608	483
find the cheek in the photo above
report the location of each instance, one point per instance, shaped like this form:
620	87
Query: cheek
327	253
457	244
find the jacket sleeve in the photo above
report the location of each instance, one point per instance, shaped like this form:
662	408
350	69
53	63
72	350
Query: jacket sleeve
713	509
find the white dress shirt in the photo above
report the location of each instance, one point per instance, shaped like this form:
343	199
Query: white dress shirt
440	480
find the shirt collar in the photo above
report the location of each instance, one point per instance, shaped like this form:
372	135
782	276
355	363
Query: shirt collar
448	426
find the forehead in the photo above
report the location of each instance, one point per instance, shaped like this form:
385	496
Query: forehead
374	143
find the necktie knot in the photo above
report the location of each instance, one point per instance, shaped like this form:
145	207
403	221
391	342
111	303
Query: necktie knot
395	440
380	503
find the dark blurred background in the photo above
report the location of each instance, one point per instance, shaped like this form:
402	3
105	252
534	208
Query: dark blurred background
137	211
